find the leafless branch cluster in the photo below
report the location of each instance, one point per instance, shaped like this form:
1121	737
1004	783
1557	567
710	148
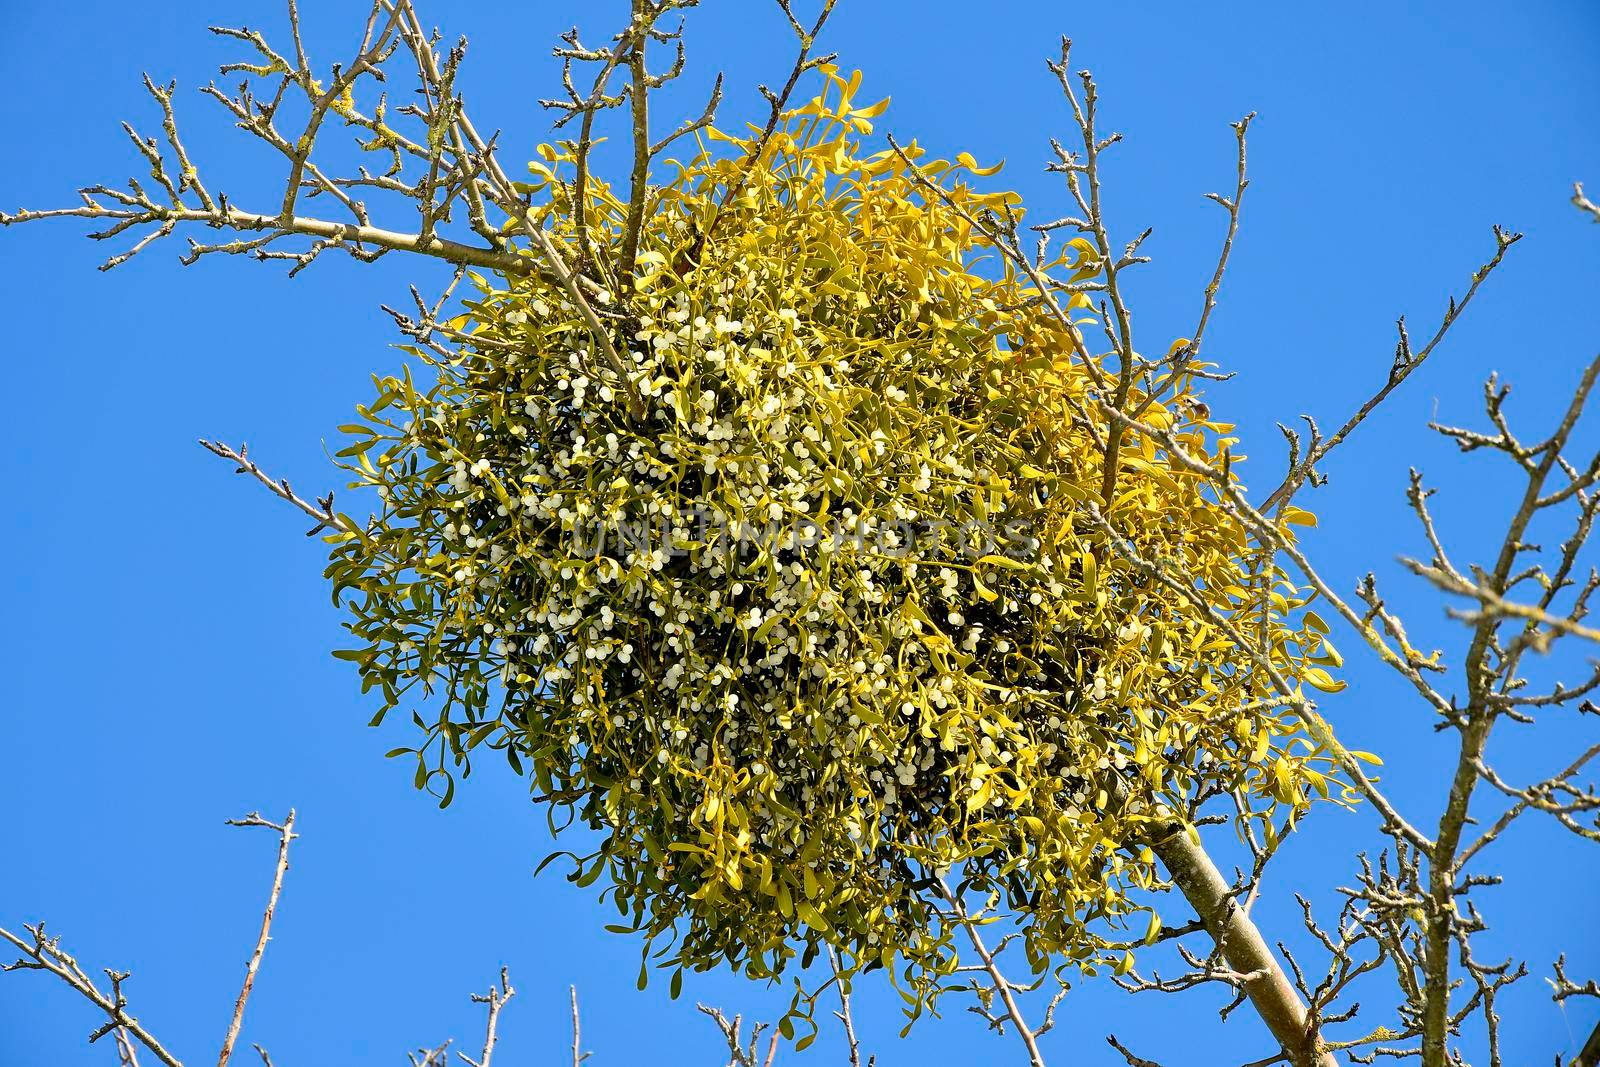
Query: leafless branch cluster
176	193
41	951
743	1051
464	208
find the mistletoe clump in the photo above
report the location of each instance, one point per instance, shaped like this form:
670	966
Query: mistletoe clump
818	604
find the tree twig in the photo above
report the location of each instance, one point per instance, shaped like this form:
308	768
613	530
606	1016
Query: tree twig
286	834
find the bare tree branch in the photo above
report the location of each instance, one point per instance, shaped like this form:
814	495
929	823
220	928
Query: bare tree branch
495	999
286	834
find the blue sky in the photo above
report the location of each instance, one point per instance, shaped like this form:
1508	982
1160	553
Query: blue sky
170	632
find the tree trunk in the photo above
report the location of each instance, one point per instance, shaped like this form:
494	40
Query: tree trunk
1243	948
